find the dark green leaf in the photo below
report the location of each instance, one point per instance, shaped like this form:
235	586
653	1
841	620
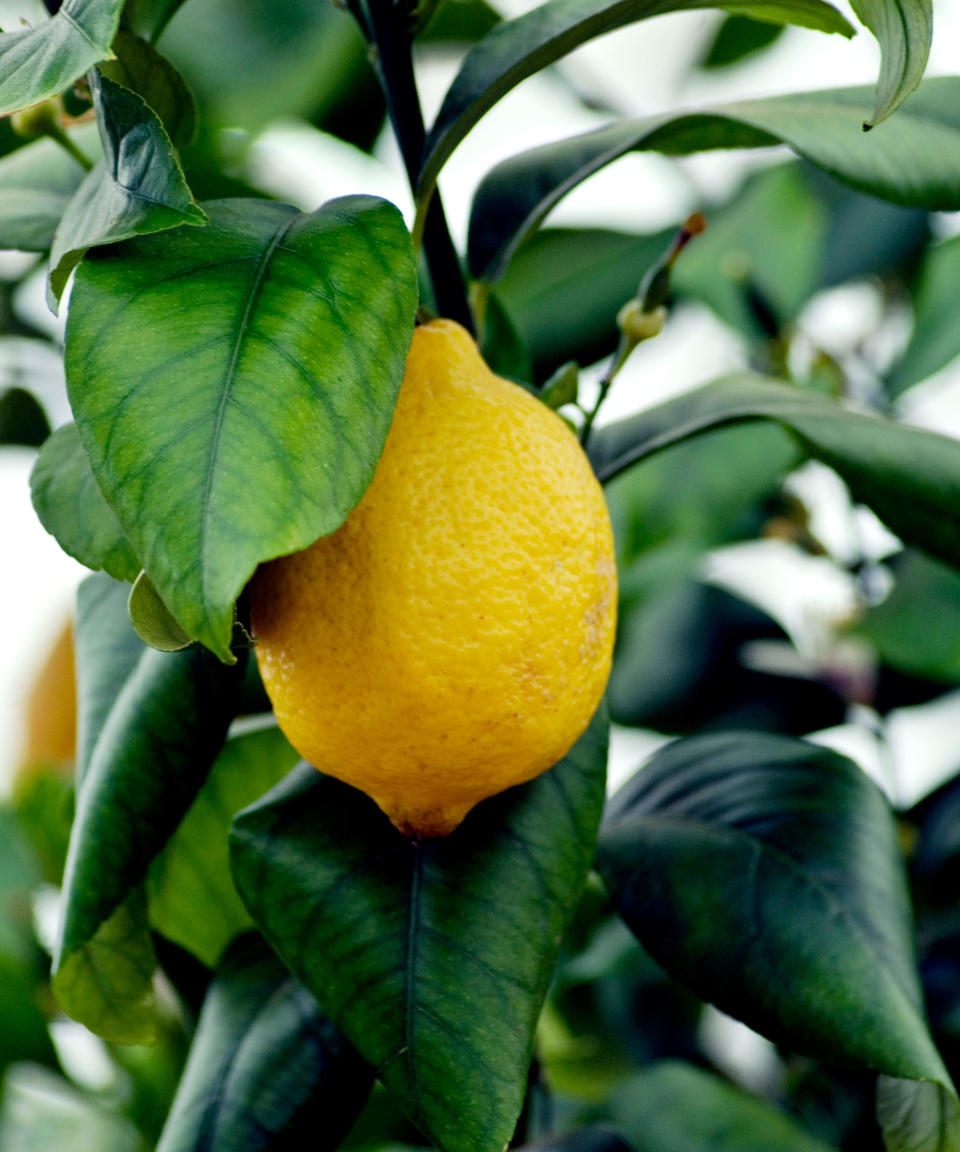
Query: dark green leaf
739	37
157	740
908	476
71	507
675	1107
37	182
193	901
151	618
595	1138
503	347
914	161
935	340
266	1068
916	629
148	18
432	957
904	29
43	60
234	385
562	387
22	419
140	68
519	48
765	874
136	189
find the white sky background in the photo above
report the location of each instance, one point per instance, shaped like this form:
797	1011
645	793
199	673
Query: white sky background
636	71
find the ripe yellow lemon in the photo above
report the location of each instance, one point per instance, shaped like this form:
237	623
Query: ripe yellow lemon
453	637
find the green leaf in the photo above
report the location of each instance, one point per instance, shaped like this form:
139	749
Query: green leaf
917	1116
914	161
70	505
22	418
266	1068
233	386
765	874
935	340
152	620
433	957
44	60
137	188
908	476
158	738
518	48
675	1107
148	18
737	38
37	182
593	1138
139	67
562	387
916	629
193	901
904	30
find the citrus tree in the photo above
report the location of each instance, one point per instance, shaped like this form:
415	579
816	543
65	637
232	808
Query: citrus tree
450	935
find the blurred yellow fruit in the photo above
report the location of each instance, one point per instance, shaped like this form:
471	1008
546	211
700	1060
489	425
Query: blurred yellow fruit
453	637
50	715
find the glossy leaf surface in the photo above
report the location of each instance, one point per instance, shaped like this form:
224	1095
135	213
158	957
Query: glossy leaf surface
518	48
765	874
162	722
266	1068
193	901
233	386
44	60
904	29
136	189
914	161
70	505
432	957
908	476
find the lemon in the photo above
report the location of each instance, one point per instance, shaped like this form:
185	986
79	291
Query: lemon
453	637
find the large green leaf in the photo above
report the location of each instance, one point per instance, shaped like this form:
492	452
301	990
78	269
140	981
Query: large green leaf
157	740
138	187
917	1116
43	60
765	873
914	161
193	900
675	1107
518	48
71	507
908	476
37	182
266	1068
233	386
433	957
904	29
935	339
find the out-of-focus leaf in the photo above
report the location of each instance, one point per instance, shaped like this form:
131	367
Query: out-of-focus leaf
908	476
594	1138
136	189
904	30
193	901
503	347
158	739
915	161
255	428
935	340
765	873
266	1068
739	37
917	1116
140	68
917	627
148	18
433	957
563	386
70	505
43	60
37	182
675	1107
22	419
152	620
519	48
458	21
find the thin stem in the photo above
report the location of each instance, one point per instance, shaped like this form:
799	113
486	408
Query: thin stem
619	359
392	31
68	146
